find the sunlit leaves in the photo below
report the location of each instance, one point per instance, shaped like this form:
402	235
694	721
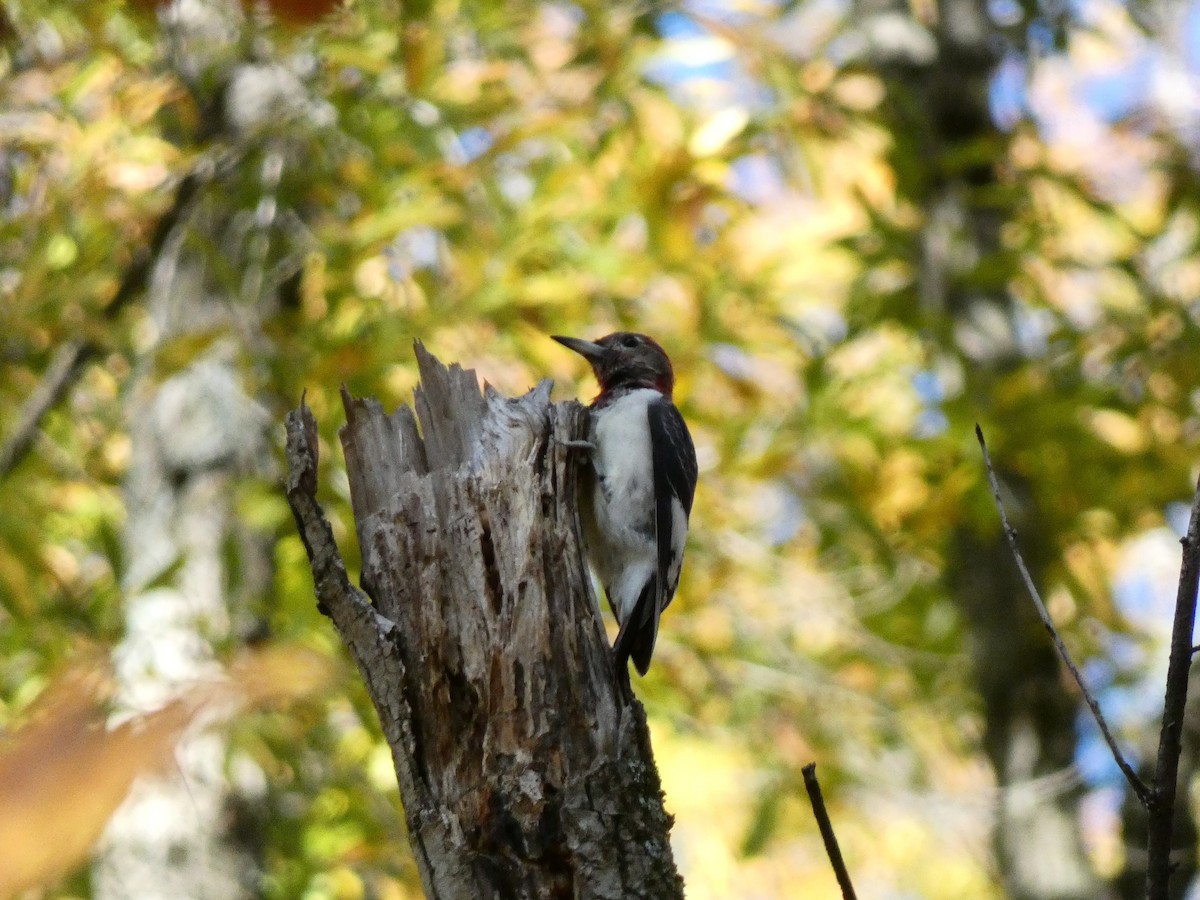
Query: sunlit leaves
481	175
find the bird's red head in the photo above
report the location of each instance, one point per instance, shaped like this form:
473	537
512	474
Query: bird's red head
626	359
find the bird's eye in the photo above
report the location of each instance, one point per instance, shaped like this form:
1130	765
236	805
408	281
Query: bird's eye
631	341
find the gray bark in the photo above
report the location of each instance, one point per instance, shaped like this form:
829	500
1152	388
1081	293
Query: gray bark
525	769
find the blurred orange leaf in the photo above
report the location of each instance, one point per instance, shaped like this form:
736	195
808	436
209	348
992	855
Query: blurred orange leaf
65	772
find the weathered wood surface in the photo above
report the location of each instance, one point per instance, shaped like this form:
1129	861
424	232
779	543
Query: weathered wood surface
526	771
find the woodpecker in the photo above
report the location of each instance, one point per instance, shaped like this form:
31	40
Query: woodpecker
638	499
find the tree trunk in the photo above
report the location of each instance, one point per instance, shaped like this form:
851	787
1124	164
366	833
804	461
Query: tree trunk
195	435
525	768
173	837
938	82
1030	715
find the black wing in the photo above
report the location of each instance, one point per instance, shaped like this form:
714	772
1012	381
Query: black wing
675	473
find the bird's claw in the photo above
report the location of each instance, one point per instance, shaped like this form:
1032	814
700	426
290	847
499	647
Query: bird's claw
580	445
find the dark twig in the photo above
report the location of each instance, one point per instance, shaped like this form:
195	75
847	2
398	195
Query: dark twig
831	845
68	361
1162	807
336	596
1139	787
71	358
138	273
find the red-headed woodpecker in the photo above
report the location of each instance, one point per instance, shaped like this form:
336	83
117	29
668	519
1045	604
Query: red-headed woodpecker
636	507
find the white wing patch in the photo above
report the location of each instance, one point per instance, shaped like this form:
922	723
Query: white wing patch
679	528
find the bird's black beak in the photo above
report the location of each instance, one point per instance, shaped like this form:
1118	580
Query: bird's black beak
591	352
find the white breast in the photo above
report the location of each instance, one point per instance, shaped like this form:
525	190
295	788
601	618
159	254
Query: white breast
622	536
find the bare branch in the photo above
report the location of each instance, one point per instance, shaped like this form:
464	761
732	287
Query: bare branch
1139	787
1162	806
138	273
68	361
336	596
832	849
71	358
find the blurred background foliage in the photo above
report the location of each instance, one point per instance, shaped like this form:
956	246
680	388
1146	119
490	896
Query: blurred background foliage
858	228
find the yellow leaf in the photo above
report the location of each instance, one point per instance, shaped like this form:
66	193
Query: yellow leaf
718	130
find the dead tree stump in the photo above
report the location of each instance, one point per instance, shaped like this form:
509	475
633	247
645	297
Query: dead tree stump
524	769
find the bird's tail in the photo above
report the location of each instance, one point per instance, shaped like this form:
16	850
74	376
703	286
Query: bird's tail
639	631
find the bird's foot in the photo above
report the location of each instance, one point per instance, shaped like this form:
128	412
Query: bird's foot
579	445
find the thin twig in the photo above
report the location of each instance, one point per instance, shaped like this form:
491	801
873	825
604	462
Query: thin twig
1144	794
138	273
68	361
1162	808
832	850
